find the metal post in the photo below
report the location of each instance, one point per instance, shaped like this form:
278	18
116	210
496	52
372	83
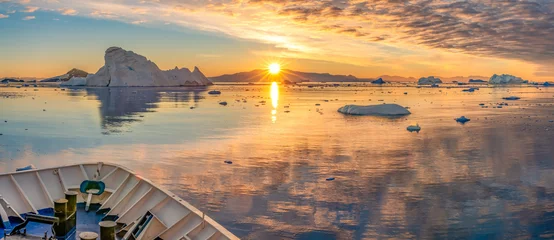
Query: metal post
71	197
107	230
60	211
71	222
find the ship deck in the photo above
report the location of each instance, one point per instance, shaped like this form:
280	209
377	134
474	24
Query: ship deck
86	222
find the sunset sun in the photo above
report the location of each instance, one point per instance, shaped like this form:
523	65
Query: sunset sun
274	68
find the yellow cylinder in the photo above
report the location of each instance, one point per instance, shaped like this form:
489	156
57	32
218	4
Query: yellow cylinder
60	211
71	218
71	197
107	230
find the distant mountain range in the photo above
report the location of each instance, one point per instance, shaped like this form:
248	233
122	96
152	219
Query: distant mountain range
261	75
65	77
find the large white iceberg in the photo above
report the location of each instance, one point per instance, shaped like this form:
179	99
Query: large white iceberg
128	69
75	81
375	110
505	79
429	80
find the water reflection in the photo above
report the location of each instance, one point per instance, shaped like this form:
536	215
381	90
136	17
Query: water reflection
274	94
120	107
492	178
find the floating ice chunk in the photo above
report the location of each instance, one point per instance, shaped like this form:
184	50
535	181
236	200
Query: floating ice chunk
414	128
378	81
375	110
511	98
462	119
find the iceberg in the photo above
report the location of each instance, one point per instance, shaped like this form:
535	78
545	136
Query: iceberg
74	82
375	110
414	128
429	81
100	79
462	119
378	81
476	81
505	79
127	69
511	98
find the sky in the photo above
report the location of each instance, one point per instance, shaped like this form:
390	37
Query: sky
410	38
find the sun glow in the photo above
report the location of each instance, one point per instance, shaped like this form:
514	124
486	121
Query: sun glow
274	68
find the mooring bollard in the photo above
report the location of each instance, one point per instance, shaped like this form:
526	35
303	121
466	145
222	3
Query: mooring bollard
107	230
88	236
60	211
71	197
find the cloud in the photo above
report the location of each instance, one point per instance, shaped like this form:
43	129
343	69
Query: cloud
139	10
10	12
4	16
103	14
30	9
384	33
29	18
138	22
68	11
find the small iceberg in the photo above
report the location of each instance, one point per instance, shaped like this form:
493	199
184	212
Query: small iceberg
213	92
511	98
414	128
378	81
375	110
462	119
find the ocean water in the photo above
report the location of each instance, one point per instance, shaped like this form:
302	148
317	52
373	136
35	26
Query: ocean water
491	178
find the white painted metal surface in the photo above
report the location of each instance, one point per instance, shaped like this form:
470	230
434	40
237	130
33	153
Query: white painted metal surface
126	195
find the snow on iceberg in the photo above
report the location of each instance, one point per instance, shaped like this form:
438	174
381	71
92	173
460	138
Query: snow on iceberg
375	110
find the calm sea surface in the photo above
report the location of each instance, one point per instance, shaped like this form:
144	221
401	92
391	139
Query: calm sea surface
492	178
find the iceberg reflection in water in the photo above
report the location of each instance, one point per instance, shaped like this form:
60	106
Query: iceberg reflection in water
491	178
122	106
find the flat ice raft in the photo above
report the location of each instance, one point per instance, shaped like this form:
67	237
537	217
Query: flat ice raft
375	110
90	193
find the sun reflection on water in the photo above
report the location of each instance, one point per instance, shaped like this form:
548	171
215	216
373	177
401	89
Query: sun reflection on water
274	94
